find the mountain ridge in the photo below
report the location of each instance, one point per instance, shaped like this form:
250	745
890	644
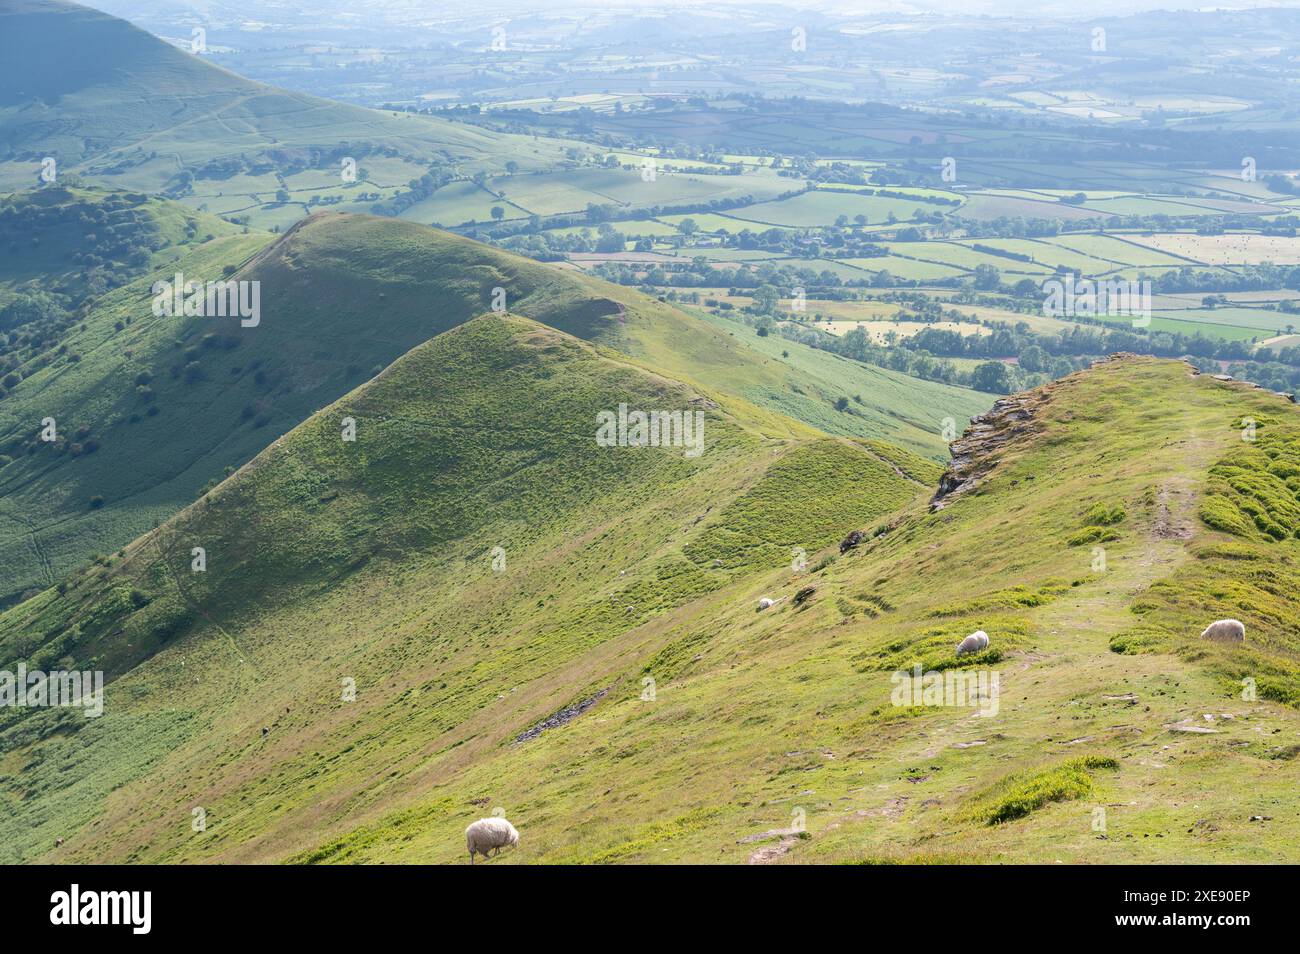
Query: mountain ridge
342	296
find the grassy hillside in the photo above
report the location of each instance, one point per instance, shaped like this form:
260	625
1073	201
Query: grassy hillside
905	410
757	717
108	100
704	730
74	244
150	410
373	561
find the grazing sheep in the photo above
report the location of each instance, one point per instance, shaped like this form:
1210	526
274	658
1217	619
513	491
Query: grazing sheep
1225	630
975	642
766	603
487	834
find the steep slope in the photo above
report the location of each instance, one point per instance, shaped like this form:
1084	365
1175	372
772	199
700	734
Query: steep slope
761	724
614	690
107	99
172	403
622	699
375	561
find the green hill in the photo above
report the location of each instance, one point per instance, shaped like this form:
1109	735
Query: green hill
110	101
73	244
151	410
614	689
484	437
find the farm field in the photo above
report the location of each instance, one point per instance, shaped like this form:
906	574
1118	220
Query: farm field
1119	250
916	269
457	203
1241	248
961	256
881	330
822	207
981	206
717	222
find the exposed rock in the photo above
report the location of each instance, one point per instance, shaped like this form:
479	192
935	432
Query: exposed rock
1195	729
851	541
565	715
769	853
975	453
803	594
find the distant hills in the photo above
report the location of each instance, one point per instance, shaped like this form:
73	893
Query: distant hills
110	101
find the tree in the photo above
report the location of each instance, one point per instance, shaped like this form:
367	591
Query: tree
765	299
1027	288
28	308
611	241
987	278
688	227
991	376
498	213
1033	358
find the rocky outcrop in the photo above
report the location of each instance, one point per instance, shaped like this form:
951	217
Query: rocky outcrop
563	717
976	452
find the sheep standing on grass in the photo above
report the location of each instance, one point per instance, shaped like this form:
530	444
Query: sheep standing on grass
487	834
975	642
1225	630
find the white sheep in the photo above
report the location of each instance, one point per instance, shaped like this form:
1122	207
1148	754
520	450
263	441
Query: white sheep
973	643
1226	630
766	603
487	834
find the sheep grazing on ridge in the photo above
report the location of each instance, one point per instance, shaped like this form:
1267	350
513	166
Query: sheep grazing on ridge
975	642
488	834
1226	631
